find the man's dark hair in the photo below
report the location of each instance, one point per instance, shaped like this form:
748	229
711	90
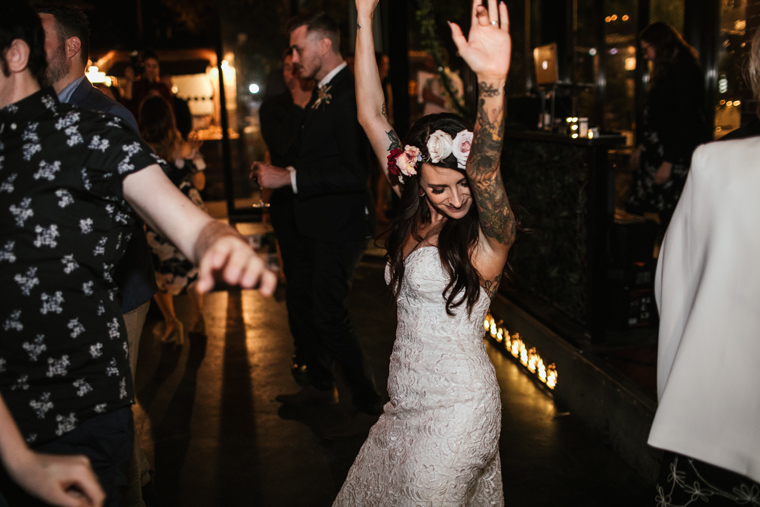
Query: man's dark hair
318	22
19	21
70	22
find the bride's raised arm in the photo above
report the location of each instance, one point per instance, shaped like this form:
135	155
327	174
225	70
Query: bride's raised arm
370	101
487	51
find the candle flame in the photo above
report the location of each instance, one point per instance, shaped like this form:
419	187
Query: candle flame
528	357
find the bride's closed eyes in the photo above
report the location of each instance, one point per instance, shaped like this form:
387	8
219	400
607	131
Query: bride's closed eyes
439	190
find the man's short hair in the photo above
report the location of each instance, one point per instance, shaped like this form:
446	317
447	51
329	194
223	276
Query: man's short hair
19	21
70	22
319	22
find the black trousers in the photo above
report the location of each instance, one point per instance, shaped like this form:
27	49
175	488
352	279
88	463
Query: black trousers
319	287
292	250
106	440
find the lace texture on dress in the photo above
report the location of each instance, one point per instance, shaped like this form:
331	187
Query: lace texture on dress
437	441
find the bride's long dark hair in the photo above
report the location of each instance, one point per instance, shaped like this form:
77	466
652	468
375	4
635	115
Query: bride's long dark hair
457	238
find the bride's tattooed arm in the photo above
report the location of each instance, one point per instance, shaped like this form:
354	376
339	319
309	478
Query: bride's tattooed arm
395	141
483	166
490	286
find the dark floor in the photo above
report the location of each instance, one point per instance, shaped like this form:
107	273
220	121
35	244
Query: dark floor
216	436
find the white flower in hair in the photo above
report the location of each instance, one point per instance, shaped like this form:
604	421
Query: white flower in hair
439	146
461	147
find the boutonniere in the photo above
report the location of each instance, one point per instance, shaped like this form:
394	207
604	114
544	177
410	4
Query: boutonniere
323	95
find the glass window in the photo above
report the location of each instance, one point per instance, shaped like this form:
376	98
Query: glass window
253	42
620	46
669	11
734	96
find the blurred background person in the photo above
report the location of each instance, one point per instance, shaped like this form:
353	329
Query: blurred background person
281	118
174	272
674	123
434	94
182	115
136	90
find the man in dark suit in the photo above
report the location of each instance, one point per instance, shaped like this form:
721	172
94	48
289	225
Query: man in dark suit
334	214
67	45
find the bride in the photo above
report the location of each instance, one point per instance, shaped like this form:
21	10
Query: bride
437	442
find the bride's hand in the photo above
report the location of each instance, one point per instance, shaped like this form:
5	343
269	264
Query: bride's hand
365	7
488	48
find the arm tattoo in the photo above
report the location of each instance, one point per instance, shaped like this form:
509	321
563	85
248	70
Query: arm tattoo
487	90
358	26
490	286
395	141
483	168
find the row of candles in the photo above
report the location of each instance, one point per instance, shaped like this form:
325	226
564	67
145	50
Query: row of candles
528	357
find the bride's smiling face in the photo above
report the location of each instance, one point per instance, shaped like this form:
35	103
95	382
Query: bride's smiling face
447	191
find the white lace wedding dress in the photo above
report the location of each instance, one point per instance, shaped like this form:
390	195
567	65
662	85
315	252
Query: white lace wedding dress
437	442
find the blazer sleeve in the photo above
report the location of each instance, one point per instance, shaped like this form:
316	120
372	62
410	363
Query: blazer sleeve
679	265
345	165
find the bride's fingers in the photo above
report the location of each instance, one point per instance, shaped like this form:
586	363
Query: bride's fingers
481	15
504	15
493	12
475	6
457	36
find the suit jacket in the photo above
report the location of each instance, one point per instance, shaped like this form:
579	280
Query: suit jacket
708	289
334	202
87	96
134	274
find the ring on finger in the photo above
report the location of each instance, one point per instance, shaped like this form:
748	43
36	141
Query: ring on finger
494	23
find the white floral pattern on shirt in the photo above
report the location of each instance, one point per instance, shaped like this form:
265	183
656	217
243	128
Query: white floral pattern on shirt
64	225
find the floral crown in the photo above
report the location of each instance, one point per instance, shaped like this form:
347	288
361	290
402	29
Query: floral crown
440	146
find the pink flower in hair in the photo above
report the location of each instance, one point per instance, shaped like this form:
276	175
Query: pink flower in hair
461	147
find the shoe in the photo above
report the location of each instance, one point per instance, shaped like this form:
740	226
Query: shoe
351	426
299	370
300	374
150	497
310	395
175	335
199	327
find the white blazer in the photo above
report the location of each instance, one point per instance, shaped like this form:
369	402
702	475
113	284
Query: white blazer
708	292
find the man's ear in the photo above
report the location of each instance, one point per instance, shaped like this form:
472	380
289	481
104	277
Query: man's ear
325	45
72	46
17	56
